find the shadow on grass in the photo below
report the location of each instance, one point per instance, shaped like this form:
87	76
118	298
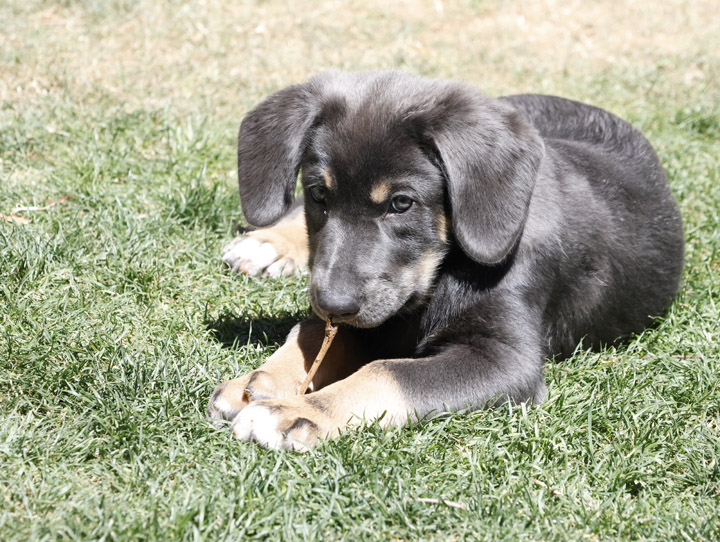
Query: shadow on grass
230	329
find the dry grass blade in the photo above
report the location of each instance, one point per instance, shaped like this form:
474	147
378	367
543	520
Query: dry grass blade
451	504
48	205
15	218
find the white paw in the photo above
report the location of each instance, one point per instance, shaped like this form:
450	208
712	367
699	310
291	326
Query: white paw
256	422
261	424
247	255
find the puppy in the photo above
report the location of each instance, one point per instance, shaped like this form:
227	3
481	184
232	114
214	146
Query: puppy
458	240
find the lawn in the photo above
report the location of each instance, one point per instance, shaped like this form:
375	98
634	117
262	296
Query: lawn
117	318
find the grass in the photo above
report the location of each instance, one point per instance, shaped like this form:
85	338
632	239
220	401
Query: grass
117	191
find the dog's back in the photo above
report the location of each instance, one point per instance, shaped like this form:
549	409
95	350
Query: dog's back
630	252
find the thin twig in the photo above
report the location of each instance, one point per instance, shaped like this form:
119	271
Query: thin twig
330	331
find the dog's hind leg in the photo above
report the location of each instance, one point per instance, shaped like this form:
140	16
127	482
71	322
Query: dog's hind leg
280	250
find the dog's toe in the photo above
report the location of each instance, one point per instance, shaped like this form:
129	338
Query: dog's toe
226	401
282	267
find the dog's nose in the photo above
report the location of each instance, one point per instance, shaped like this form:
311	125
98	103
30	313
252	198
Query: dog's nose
337	304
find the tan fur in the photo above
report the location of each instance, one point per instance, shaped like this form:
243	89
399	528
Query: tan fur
279	376
343	357
288	237
441	223
369	394
329	179
380	192
283	372
427	267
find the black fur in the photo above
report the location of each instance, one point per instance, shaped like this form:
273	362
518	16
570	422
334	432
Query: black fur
563	227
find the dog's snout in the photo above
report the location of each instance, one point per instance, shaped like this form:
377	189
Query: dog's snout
338	304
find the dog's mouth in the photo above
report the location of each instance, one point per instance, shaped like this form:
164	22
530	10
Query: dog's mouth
371	314
354	320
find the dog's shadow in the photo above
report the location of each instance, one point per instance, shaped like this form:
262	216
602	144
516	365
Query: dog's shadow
232	330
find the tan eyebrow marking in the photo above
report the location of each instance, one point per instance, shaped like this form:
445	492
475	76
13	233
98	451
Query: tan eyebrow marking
379	192
329	180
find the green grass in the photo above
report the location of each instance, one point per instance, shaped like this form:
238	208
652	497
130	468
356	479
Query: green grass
117	319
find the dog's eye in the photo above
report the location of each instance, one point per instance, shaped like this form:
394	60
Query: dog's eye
400	204
318	193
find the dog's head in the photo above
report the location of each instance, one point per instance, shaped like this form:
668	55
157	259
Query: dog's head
395	169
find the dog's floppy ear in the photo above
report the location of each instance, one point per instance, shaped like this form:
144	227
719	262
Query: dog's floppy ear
270	145
491	156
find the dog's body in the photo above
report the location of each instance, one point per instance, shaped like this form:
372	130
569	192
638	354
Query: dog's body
458	240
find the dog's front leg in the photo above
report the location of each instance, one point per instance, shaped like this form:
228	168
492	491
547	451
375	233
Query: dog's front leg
283	372
397	391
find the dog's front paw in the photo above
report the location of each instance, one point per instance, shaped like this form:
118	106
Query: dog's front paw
282	424
232	396
253	257
281	250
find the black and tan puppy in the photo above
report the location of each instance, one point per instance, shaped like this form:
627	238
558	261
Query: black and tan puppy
458	240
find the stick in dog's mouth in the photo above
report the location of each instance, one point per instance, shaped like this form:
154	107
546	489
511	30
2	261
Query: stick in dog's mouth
330	331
